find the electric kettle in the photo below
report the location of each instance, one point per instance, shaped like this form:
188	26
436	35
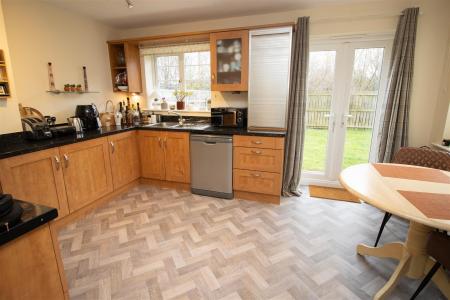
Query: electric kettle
76	122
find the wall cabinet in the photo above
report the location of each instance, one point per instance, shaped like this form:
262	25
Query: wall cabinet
125	64
165	155
124	156
36	177
269	71
87	172
229	61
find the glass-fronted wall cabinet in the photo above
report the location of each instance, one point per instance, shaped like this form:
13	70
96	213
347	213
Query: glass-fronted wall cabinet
229	61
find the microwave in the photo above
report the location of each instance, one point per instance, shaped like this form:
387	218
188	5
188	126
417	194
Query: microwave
229	117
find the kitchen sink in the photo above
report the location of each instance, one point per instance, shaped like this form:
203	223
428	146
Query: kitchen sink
175	125
198	126
163	125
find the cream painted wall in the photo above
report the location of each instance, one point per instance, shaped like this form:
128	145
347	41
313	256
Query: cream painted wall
429	97
430	94
444	104
39	33
9	114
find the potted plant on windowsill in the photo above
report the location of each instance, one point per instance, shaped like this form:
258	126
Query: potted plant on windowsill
181	94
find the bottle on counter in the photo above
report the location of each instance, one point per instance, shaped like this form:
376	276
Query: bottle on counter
139	111
164	104
122	112
136	117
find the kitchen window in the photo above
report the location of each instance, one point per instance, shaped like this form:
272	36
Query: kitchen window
179	67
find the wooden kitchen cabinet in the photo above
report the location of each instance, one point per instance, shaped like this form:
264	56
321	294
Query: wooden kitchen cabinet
258	167
229	60
124	156
257	182
29	267
266	160
151	154
87	172
165	155
177	157
125	60
36	177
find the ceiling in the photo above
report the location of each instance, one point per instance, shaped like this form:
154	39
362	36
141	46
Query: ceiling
115	13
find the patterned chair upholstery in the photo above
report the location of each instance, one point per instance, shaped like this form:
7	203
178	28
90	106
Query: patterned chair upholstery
422	157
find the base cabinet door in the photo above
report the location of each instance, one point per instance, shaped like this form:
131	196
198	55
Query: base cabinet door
257	182
151	153
177	157
87	172
29	268
36	177
124	155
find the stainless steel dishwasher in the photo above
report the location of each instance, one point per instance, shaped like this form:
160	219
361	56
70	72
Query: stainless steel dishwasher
212	165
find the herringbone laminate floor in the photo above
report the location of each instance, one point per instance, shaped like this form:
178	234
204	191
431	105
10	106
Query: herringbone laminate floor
155	243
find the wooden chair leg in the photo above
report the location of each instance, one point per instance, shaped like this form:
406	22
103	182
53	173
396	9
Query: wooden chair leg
386	218
426	280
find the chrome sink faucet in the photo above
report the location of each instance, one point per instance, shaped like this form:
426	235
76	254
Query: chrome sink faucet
180	117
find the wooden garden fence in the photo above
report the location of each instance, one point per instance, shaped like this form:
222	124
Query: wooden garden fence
362	110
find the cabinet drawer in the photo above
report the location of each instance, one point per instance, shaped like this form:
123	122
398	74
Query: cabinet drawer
257	182
267	160
258	142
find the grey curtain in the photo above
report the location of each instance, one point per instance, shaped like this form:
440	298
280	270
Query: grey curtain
394	130
296	109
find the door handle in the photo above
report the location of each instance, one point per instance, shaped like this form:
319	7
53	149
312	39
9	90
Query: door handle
255	175
257	142
160	142
256	152
113	148
66	160
57	162
345	117
332	119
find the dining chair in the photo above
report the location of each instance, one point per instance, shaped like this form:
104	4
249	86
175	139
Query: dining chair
423	157
438	247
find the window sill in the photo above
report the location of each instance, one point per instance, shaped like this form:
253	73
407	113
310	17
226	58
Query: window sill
184	112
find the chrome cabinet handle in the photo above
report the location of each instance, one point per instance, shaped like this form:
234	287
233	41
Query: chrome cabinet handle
113	148
66	160
256	152
160	142
255	175
57	162
257	142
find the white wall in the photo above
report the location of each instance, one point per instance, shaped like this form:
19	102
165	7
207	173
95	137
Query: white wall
9	114
430	97
39	33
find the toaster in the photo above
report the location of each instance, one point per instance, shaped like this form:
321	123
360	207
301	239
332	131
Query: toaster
36	129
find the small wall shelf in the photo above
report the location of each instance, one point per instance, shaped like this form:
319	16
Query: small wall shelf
66	92
4	82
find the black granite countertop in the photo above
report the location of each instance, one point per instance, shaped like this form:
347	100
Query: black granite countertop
33	216
14	144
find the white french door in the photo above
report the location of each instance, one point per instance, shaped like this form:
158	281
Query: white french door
346	89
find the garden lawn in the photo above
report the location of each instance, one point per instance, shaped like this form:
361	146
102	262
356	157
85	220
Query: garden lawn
357	148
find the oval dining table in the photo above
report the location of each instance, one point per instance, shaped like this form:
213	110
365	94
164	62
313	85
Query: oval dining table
419	195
